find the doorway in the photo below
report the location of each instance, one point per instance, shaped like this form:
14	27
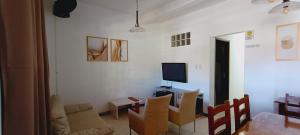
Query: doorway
222	71
227	64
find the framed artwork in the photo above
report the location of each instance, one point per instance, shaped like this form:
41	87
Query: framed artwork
287	42
97	48
119	50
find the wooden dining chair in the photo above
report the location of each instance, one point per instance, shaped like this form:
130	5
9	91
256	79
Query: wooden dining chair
215	123
291	111
241	116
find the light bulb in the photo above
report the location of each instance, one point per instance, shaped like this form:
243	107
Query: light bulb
285	10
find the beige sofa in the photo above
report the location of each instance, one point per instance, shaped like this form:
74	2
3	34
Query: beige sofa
79	119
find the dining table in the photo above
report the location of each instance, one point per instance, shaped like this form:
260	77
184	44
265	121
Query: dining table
266	123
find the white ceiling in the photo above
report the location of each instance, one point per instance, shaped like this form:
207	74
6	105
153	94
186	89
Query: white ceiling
129	6
155	10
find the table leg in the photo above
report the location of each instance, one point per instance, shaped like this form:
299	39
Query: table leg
117	112
281	109
113	110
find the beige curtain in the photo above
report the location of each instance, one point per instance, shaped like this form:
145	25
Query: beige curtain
24	67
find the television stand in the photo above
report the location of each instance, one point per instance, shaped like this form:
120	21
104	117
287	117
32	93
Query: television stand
176	96
166	87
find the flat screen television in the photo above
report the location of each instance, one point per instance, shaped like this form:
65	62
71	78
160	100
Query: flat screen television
174	72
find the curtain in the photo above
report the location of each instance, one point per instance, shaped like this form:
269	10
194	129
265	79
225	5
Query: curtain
24	68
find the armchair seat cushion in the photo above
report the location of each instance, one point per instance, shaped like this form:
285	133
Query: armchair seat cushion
88	122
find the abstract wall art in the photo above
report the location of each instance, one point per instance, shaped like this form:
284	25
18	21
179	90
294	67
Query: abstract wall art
287	42
97	48
119	50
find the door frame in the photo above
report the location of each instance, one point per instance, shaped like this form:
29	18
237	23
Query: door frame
220	39
212	65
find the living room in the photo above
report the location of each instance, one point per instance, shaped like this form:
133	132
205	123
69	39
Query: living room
263	72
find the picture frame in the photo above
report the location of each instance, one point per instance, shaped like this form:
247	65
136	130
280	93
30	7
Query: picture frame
119	50
96	49
287	42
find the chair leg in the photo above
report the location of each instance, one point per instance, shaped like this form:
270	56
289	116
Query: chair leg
194	125
129	131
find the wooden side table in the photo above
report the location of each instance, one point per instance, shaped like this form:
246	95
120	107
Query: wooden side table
116	104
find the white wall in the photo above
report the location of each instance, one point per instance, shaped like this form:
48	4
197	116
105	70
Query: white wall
81	81
265	78
97	83
50	33
236	64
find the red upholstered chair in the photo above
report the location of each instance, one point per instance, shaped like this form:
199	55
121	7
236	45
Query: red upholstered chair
240	121
291	111
214	124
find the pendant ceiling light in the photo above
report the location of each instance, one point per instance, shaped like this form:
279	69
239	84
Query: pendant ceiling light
137	27
285	7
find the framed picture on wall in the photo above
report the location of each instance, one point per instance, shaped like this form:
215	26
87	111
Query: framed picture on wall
97	48
119	50
287	42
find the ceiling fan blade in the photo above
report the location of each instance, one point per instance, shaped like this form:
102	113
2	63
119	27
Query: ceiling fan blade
292	6
263	1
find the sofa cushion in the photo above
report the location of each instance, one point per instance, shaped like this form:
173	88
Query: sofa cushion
77	108
88	121
92	131
59	120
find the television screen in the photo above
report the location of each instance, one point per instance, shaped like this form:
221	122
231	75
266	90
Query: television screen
174	72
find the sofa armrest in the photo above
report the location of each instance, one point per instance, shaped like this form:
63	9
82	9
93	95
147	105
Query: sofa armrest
78	108
174	115
136	121
174	109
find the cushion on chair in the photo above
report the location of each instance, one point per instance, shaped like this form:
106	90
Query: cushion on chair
59	119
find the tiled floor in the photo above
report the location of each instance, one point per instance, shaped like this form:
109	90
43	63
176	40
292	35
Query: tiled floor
121	126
